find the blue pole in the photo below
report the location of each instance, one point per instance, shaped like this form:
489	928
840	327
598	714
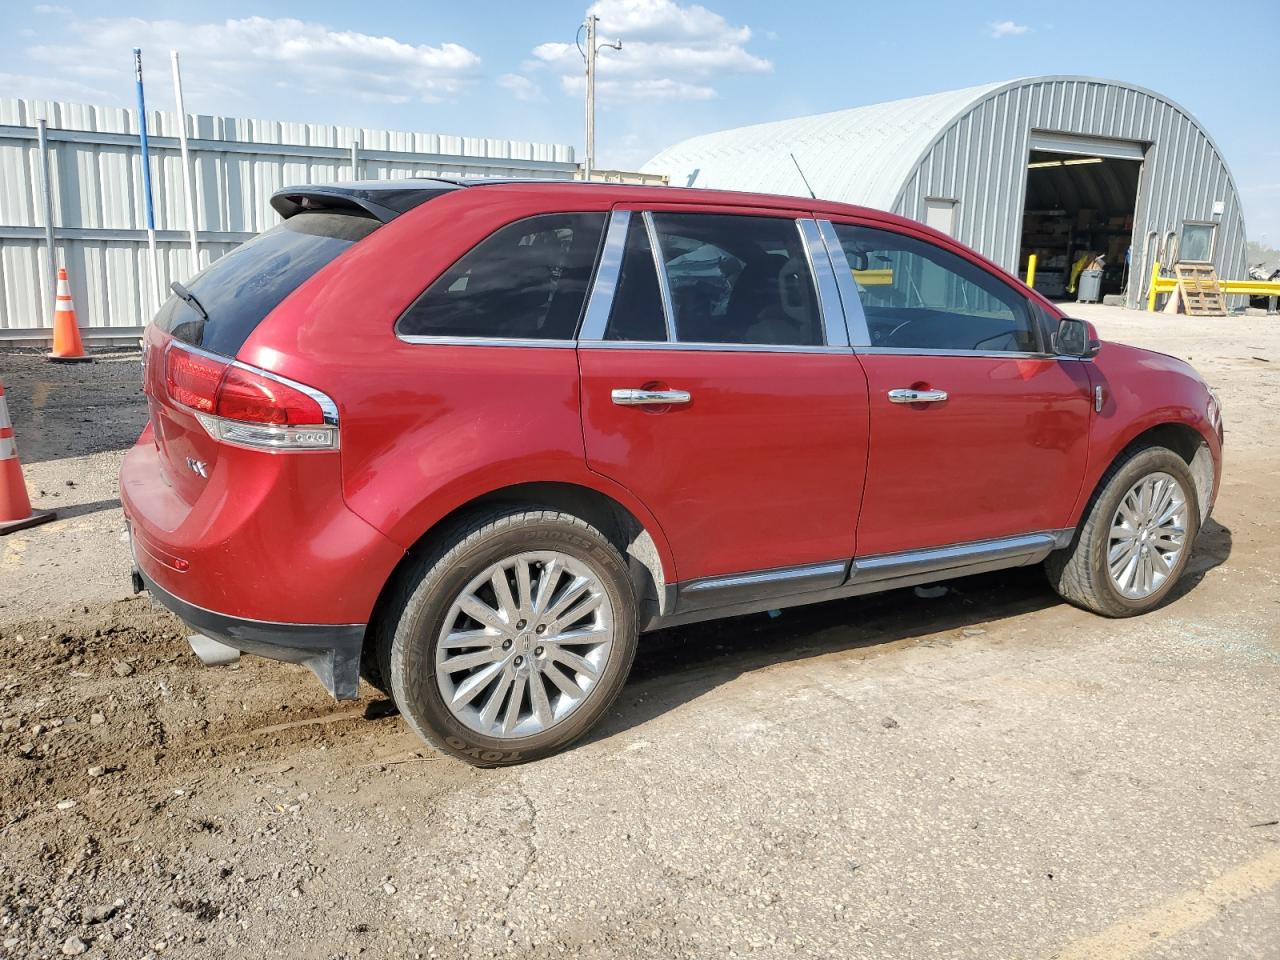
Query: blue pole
146	175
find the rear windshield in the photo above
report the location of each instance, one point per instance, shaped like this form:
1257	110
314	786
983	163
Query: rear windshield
238	290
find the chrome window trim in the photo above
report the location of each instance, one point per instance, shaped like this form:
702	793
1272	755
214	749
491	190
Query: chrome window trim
860	332
673	338
487	341
589	344
855	320
941	352
660	268
830	303
604	286
724	347
463	341
990	354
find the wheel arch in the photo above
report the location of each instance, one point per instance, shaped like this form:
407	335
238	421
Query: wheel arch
641	544
1183	439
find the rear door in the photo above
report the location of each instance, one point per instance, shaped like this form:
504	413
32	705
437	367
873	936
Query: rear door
977	430
719	387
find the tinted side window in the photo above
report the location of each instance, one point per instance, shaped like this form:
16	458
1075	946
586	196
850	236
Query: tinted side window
916	295
738	280
637	304
240	289
526	281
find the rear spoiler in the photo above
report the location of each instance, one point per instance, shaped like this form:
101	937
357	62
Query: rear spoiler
382	200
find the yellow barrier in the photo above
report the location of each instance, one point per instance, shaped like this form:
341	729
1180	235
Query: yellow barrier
874	278
1031	271
1248	288
1156	281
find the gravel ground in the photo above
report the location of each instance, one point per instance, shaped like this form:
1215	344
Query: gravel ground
990	773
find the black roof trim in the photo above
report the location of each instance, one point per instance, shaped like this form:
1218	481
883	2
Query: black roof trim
383	200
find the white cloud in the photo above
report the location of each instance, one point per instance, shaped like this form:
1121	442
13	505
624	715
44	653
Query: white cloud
1007	28
664	21
49	9
236	58
669	51
31	87
522	88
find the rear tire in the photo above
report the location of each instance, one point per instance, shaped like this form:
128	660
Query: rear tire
1135	539
508	641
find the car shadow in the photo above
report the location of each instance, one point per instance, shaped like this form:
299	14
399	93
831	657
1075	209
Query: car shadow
79	509
679	665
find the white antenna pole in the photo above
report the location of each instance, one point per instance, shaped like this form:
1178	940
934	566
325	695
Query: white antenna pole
188	178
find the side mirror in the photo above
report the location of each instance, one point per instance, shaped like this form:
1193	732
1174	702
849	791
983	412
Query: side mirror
1076	338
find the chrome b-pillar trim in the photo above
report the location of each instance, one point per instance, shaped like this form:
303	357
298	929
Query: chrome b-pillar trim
854	318
829	299
600	303
660	268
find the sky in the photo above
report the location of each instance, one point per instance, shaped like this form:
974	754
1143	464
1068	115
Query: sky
511	70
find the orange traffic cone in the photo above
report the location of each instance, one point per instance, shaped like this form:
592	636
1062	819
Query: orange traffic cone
66	332
15	505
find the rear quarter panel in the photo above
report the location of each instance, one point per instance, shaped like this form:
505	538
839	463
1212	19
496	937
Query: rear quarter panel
428	427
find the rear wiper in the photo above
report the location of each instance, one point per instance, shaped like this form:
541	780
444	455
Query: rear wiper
188	297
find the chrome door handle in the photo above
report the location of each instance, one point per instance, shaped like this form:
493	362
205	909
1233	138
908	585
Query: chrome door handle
640	398
907	395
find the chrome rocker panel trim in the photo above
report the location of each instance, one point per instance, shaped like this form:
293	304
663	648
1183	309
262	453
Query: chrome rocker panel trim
755	591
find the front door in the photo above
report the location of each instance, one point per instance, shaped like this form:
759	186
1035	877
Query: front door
977	431
713	393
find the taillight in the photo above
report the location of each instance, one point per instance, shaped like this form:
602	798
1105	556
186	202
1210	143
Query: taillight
245	395
242	405
192	378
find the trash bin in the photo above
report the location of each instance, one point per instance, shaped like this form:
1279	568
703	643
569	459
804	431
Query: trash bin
1090	286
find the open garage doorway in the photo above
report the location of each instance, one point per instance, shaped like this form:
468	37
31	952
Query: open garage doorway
1079	210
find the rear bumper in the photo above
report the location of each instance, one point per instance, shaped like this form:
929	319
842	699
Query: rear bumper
331	651
269	538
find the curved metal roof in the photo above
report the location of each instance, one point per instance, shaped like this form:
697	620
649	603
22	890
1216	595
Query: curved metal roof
970	148
862	155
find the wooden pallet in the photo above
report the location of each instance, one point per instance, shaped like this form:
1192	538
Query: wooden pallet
1199	289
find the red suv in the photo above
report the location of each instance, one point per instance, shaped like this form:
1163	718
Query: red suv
468	439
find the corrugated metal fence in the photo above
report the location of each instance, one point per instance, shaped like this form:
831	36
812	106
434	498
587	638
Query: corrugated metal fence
94	167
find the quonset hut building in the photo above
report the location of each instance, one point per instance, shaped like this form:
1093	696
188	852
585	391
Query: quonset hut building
1057	166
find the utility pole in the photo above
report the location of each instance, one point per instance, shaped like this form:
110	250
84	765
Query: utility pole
590	56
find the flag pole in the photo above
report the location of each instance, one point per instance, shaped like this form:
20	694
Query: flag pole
188	179
146	178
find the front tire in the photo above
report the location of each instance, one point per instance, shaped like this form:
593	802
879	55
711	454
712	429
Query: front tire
1135	540
511	639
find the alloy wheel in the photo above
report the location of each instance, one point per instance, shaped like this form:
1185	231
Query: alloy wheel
524	643
1148	535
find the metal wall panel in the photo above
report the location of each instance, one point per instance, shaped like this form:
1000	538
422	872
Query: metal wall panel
98	212
1183	172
